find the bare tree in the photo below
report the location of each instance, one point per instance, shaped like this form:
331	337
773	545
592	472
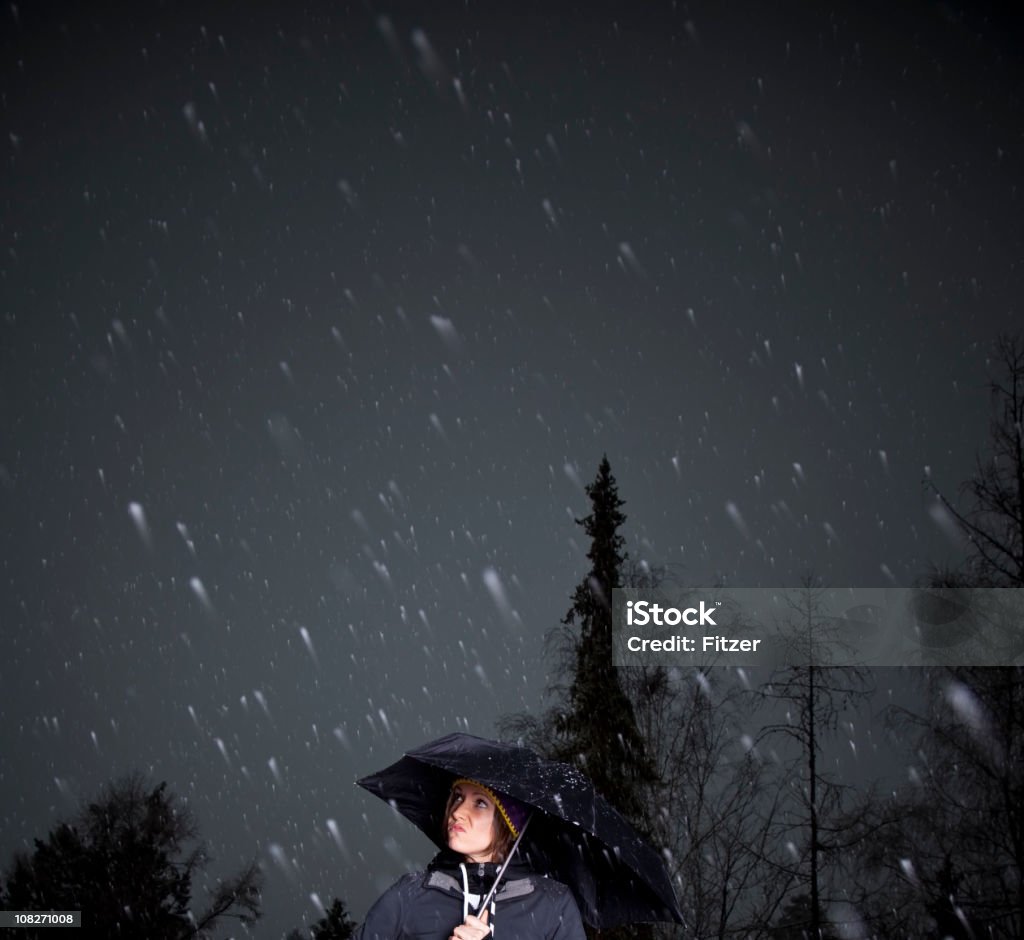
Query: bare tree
716	797
968	856
956	838
822	821
993	519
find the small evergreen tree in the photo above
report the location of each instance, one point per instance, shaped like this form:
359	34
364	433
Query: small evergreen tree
337	925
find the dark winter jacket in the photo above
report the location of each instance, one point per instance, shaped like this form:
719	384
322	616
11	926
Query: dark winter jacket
430	905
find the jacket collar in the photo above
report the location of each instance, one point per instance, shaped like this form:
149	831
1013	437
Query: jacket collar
443	873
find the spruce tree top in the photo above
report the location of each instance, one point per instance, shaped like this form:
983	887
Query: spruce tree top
592	599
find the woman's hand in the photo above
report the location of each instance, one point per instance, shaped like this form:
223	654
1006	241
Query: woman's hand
475	928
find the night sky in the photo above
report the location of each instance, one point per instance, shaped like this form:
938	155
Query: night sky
316	319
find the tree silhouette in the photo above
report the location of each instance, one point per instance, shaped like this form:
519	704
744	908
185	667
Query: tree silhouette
593	726
337	925
716	799
953	843
598	731
815	691
124	864
993	520
794	922
973	734
592	723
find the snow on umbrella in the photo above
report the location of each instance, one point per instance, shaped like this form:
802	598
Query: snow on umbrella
574	835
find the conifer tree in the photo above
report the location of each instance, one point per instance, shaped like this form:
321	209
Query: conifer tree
598	730
336	925
124	862
594	727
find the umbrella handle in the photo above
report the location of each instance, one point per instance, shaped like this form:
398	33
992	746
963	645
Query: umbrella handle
501	871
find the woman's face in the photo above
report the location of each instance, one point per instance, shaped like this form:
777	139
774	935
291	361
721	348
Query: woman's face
471	823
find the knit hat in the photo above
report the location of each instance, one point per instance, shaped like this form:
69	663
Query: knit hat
511	810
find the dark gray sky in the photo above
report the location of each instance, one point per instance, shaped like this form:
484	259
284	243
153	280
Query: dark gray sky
316	319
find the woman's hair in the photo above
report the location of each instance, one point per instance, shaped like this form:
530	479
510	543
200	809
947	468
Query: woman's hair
501	836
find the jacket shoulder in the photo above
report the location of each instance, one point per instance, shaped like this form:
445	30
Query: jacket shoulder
547	912
405	885
387	917
549	886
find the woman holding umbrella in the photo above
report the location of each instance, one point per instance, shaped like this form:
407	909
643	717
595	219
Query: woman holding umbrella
476	799
455	898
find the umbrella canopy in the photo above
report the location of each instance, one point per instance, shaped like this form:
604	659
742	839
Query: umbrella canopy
574	834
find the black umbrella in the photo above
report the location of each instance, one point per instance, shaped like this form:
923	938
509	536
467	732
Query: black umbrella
574	834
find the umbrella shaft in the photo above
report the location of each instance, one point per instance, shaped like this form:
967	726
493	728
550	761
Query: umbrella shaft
501	871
